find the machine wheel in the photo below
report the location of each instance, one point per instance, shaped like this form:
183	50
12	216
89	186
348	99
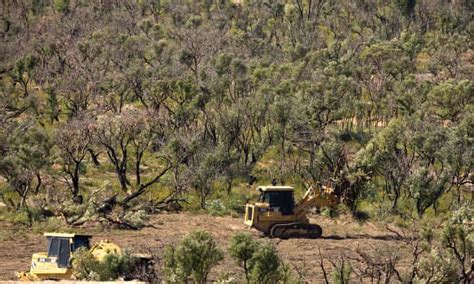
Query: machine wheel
278	231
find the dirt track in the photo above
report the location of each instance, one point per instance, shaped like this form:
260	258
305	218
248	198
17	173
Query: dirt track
340	237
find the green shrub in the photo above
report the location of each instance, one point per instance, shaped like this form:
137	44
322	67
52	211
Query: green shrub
6	235
84	264
265	265
437	267
342	272
217	208
112	267
242	248
260	261
137	218
115	266
50	225
18	218
61	5
229	205
194	257
236	203
172	271
329	212
449	252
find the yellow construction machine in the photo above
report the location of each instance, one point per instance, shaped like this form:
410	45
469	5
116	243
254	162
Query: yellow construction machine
277	215
55	264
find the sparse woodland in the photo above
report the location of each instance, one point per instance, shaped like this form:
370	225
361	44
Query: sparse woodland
114	110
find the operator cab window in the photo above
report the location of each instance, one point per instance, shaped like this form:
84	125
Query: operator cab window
59	248
80	241
283	200
53	247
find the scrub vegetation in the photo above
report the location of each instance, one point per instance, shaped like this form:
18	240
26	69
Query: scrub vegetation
112	111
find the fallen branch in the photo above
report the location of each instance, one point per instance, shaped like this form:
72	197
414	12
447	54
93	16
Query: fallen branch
121	223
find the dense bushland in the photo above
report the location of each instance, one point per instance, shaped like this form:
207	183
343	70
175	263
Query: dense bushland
113	109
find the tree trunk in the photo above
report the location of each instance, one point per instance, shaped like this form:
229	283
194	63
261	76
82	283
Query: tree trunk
75	180
203	197
122	176
23	195
38	185
395	201
94	157
138	161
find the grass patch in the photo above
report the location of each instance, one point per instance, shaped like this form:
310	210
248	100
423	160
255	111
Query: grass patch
7	235
50	225
14	217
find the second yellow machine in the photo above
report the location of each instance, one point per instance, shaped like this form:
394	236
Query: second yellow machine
56	262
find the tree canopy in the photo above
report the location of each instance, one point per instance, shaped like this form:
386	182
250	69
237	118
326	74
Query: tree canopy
194	98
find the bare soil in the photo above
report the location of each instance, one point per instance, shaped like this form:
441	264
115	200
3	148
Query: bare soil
342	237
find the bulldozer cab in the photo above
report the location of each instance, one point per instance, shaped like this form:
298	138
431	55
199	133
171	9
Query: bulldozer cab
55	263
275	204
61	246
278	198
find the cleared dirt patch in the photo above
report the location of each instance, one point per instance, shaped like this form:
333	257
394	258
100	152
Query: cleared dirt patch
341	236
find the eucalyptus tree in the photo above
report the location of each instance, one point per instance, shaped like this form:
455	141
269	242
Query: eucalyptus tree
74	140
445	162
389	156
24	157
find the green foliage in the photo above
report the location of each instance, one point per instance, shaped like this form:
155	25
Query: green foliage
217	208
342	272
242	248
197	101
14	217
28	150
438	267
449	251
24	68
137	218
449	99
61	6
265	265
260	261
228	204
53	105
112	267
48	225
216	94
84	264
194	257
330	212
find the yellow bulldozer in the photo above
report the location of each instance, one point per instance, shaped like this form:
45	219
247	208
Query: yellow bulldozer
277	215
56	263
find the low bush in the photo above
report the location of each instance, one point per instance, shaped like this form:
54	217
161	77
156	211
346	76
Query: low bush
50	225
265	265
242	248
260	261
14	217
342	271
193	258
217	208
450	253
232	204
138	218
112	267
